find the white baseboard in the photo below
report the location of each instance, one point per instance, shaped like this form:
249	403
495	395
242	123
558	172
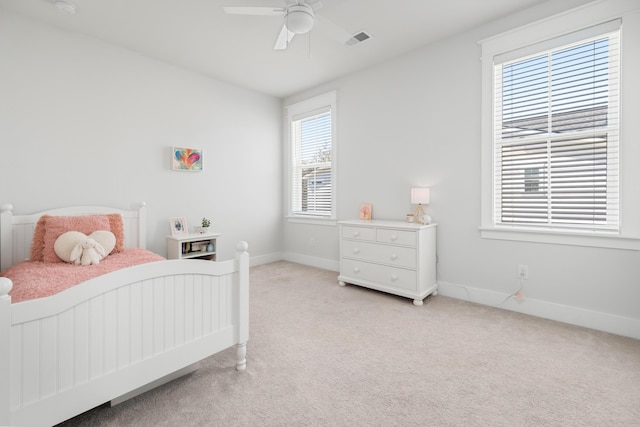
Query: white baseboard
614	324
323	263
265	259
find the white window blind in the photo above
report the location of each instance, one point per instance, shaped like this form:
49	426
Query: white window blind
556	136
311	186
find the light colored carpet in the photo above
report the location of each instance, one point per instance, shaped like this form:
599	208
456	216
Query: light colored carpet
324	355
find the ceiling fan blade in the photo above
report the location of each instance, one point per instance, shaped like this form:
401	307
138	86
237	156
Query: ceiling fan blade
315	4
334	31
284	38
254	10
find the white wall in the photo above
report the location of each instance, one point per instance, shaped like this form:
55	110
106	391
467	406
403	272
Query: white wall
415	121
84	122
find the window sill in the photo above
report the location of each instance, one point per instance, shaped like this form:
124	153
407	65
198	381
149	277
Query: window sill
593	239
311	220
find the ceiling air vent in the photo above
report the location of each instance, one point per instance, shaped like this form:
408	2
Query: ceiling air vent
357	38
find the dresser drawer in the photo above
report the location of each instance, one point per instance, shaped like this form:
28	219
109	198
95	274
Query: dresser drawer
359	233
387	254
398	237
390	277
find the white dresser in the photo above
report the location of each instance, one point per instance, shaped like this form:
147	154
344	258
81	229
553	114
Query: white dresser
390	256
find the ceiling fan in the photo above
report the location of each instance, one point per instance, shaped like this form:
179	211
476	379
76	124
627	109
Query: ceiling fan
299	18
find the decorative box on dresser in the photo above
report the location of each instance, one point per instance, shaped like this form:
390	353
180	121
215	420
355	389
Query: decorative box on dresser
390	256
199	245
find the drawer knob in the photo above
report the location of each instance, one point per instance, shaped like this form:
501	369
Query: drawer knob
394	237
394	257
394	277
356	250
356	233
356	269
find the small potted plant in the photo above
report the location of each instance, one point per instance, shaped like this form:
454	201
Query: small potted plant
205	225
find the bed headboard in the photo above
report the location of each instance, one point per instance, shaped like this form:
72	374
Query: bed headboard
16	231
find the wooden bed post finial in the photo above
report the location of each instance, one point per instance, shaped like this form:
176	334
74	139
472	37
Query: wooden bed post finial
5	287
242	247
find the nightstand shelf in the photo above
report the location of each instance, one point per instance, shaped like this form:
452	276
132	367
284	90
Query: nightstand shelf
193	246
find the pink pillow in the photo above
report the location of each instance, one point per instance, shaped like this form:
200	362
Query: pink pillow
37	243
117	228
57	225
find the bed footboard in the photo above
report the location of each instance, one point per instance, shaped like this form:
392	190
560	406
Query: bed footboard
65	354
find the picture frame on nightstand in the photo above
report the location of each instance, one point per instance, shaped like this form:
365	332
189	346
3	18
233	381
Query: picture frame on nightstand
178	226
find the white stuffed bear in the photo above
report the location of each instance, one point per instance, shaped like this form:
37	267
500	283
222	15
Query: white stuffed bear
87	252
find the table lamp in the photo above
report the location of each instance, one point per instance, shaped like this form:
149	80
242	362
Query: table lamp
420	196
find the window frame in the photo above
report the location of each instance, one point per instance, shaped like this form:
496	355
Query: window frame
533	34
517	146
292	111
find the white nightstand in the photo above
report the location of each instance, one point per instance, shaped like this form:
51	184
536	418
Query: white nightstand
188	246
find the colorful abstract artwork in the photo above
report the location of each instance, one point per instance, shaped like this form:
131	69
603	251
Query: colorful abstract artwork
186	159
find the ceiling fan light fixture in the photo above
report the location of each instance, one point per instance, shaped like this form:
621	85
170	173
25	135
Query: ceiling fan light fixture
299	18
65	6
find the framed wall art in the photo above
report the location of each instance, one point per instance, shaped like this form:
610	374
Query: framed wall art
186	159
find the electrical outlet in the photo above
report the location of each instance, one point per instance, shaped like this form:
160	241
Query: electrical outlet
523	272
312	241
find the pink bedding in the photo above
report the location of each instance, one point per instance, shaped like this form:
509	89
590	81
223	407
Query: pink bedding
36	279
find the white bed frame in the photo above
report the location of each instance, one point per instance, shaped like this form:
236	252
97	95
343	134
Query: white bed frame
114	336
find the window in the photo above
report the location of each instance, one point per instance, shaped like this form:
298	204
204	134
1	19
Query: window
559	153
311	137
565	175
556	137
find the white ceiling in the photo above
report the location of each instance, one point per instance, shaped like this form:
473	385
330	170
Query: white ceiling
199	36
